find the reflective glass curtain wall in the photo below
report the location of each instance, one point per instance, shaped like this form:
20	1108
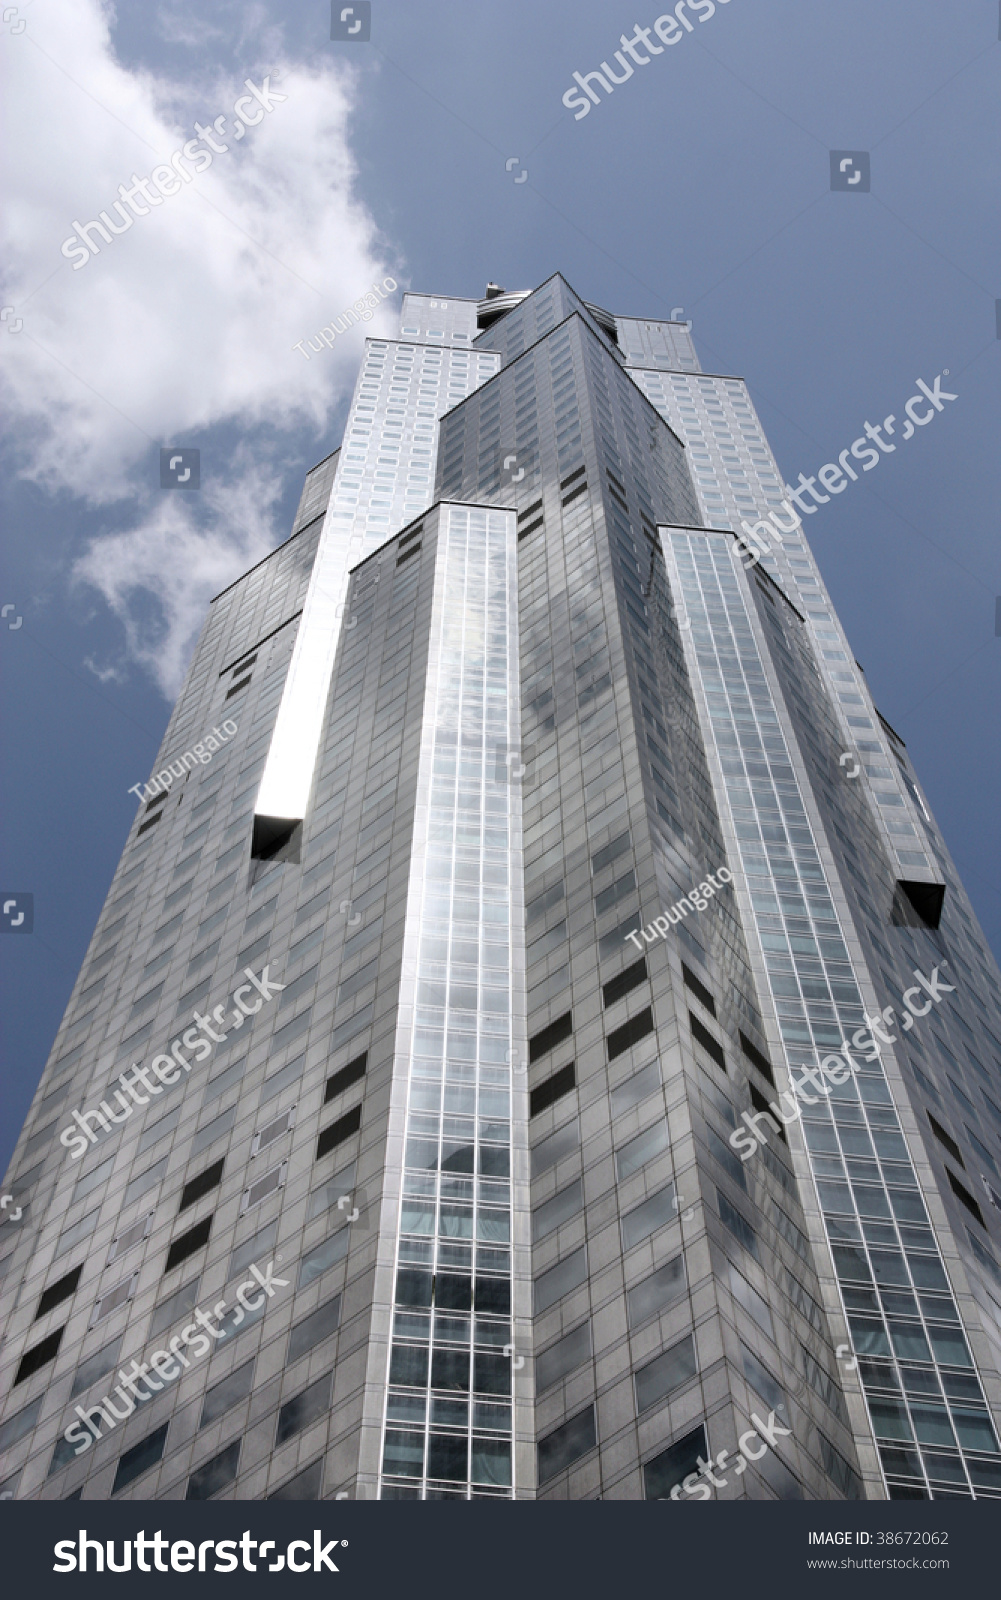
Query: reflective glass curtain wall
449	1427
922	1389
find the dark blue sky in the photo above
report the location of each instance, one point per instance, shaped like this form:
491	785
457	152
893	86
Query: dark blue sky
703	182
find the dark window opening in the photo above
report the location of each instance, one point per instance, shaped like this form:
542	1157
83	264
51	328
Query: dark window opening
140	1458
59	1291
345	1077
276	839
39	1356
755	1056
187	1243
698	989
630	1033
553	1089
548	1038
338	1131
963	1194
946	1139
759	1103
626	981
917	905
711	1046
203	1184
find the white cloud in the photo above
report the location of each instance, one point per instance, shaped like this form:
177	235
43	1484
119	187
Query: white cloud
158	576
188	320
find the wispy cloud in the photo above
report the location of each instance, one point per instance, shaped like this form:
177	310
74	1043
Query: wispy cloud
183	324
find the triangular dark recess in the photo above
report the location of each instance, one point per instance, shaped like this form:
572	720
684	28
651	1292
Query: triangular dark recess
276	839
917	905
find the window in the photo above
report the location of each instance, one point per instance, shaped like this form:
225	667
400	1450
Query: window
657	1293
611	852
565	1356
566	1444
145	1181
762	1381
273	1131
823	1384
840	1473
325	1255
567	1203
297	1413
631	1032
634	1155
205	1182
215	1474
552	1089
674	1464
113	1298
565	1276
188	1243
20	1424
702	1036
255	1248
339	1081
698	989
140	1458
96	1365
132	1236
59	1291
737	1224
263	1187
541	1043
337	1132
755	1056
759	1103
305	1485
213	1130
312	1330
945	1139
635	1089
626	981
665	1373
654	1213
548	1152
963	1194
38	1356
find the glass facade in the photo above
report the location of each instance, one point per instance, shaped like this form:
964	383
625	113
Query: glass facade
904	1321
449	1422
580	889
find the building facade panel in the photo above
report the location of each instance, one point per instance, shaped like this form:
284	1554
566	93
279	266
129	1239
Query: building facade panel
536	1042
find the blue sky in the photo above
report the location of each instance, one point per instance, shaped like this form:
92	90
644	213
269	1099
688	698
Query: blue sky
702	182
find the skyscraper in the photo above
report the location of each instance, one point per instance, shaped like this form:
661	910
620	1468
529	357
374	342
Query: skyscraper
545	1050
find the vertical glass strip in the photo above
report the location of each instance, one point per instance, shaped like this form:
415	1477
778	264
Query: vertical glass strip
925	1400
448	1429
